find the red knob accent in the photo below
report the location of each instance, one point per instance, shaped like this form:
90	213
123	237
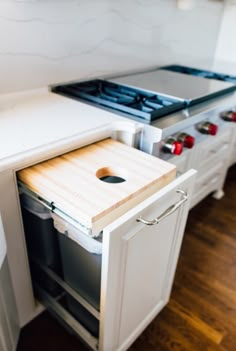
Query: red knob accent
234	117
229	116
177	148
213	129
172	146
208	128
189	141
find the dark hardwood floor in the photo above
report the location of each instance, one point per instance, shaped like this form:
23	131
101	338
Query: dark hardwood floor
201	314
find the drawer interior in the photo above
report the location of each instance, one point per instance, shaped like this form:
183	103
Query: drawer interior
65	266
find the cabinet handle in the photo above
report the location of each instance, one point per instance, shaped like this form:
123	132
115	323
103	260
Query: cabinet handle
167	212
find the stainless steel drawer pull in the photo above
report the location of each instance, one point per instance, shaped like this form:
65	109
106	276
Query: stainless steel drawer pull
168	211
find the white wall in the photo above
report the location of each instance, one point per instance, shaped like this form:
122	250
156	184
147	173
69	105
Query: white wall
48	41
226	47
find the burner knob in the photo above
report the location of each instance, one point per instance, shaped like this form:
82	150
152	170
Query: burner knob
187	140
229	116
172	146
208	128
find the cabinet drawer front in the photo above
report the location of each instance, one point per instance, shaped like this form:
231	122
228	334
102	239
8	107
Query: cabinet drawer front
213	148
181	162
208	183
233	151
139	263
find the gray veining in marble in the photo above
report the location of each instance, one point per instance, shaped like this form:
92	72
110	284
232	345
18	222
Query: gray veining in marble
49	41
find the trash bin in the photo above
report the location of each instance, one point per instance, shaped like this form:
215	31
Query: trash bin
81	258
66	250
41	241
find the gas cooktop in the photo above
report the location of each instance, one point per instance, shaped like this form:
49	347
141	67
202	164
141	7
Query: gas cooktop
148	96
129	100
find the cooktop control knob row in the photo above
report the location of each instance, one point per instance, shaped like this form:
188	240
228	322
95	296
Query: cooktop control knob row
187	140
172	146
208	128
229	116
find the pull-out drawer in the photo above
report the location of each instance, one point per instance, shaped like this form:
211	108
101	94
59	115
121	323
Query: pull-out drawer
148	235
101	236
97	183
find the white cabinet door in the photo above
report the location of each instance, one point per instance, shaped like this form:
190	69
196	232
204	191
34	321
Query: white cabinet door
233	149
9	326
139	263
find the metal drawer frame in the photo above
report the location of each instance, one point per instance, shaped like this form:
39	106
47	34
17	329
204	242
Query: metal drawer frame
52	304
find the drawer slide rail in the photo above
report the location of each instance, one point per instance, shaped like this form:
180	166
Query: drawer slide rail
51	303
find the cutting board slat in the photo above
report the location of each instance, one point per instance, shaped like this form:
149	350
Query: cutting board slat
71	181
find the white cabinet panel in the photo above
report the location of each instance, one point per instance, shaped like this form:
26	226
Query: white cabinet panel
211	159
233	151
181	162
9	326
139	263
5	337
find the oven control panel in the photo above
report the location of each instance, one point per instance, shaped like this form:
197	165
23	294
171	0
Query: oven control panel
182	136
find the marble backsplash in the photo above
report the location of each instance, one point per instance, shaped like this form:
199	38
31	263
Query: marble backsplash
44	42
226	47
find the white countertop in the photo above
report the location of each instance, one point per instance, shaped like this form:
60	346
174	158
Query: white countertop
33	119
39	118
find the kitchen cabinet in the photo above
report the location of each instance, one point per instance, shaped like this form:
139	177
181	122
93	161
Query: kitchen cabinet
134	256
138	267
9	325
139	263
138	260
233	151
181	162
211	161
211	158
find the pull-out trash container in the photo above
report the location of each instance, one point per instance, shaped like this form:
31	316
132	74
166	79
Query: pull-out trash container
81	257
79	189
69	252
41	240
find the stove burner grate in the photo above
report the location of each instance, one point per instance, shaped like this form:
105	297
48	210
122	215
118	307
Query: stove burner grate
141	104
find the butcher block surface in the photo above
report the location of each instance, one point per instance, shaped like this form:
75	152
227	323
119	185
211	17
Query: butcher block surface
72	181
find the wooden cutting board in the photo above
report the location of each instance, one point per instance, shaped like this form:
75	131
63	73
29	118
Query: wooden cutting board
72	181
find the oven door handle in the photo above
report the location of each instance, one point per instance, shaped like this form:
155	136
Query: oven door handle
167	212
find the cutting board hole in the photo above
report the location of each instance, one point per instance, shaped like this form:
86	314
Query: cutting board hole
110	175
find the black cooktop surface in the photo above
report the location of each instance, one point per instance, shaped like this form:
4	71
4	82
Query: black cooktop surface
128	101
148	96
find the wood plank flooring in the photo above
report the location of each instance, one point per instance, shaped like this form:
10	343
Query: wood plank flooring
201	314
